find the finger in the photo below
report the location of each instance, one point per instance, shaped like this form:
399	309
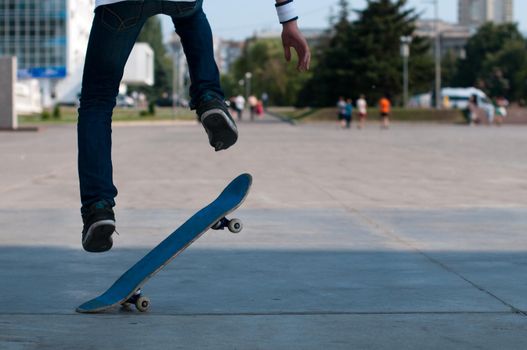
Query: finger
300	66
303	58
287	53
308	60
298	50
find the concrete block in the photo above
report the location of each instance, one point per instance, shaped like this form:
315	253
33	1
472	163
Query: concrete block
8	117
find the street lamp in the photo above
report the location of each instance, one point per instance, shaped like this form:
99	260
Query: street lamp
438	56
248	77
405	53
176	77
437	53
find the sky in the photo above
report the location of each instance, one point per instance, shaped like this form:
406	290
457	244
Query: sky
235	19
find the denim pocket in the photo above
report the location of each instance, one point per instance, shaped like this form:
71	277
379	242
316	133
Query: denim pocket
181	9
122	15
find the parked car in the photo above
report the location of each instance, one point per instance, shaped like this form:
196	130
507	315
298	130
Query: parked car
124	101
169	102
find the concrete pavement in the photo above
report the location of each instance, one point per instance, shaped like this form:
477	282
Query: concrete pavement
409	238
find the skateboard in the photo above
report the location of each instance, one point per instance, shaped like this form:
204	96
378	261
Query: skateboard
126	291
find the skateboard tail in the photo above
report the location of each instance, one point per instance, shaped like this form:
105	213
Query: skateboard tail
92	306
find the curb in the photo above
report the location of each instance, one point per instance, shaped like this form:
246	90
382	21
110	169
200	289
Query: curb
283	118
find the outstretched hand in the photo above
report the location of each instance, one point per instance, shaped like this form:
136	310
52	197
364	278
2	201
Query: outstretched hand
293	38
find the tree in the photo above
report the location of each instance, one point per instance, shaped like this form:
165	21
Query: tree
504	72
496	61
333	73
264	59
488	40
364	56
152	34
449	68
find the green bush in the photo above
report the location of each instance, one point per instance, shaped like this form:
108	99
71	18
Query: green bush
45	115
152	108
56	112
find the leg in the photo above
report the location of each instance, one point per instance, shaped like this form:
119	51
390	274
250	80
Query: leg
206	95
342	119
196	38
108	49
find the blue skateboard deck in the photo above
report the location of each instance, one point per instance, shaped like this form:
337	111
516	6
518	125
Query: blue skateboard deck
125	289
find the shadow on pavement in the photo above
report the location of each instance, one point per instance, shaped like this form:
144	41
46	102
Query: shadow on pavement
210	281
266	299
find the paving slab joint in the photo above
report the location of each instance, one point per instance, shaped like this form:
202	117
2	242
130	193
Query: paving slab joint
390	233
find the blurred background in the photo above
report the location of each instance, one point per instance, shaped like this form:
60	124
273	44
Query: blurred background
429	57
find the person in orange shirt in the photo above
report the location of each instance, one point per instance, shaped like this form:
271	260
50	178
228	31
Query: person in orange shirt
385	107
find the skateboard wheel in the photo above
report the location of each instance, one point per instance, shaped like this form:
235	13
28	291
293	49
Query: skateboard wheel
235	225
142	304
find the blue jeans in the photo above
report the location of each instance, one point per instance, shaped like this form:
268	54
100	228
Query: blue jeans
114	32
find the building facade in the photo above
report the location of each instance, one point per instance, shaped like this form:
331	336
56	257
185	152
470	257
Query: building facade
49	39
453	37
474	13
226	52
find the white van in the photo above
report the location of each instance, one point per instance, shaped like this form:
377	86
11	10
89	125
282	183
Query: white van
454	98
457	98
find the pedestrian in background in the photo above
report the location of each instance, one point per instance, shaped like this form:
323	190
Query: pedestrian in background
260	109
490	111
473	110
501	110
385	108
265	100
239	103
362	106
348	115
341	111
253	102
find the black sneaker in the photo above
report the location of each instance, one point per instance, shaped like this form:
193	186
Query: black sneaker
99	225
214	115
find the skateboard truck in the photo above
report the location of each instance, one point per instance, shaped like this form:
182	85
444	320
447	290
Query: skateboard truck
141	302
234	225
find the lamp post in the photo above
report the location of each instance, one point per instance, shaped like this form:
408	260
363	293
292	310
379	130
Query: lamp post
437	55
248	77
437	51
176	71
405	53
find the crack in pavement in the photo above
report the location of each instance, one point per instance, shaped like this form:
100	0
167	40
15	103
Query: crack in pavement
390	233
